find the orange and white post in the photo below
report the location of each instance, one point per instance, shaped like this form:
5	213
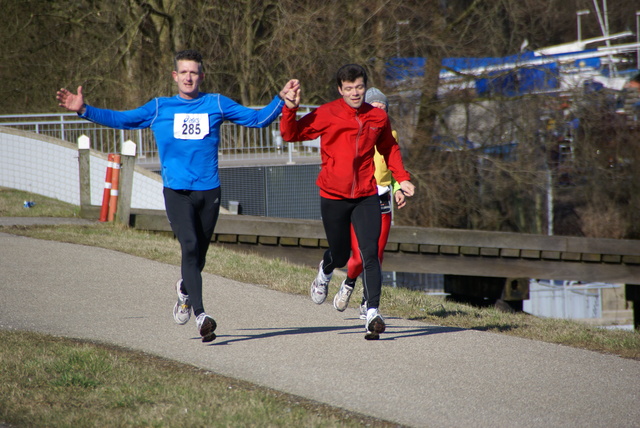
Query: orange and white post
106	194
115	182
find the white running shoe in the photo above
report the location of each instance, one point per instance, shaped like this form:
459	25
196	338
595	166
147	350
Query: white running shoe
375	324
320	286
206	327
182	308
363	311
341	299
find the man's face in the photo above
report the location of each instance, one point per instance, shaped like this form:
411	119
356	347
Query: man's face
188	77
353	92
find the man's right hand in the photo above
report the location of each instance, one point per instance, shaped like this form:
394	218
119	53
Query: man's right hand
292	97
71	101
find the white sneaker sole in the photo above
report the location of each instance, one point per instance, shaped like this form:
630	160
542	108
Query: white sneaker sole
207	329
375	327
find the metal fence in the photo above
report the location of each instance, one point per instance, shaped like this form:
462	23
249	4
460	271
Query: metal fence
267	190
236	142
566	299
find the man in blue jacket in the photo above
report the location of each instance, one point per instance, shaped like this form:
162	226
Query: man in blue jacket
187	132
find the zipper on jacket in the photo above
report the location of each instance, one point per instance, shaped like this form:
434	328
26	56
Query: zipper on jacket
355	172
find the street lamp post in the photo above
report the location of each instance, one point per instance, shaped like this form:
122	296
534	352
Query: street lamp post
578	15
398	24
638	40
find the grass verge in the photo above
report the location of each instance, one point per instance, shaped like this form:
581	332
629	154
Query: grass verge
57	382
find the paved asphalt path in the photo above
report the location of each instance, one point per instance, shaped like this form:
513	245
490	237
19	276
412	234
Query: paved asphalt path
416	375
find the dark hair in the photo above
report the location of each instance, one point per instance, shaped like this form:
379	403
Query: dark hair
349	73
188	55
636	78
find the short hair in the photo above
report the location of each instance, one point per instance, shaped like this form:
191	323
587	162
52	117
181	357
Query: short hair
349	73
188	55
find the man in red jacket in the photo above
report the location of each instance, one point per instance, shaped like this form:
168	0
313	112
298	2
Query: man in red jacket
349	130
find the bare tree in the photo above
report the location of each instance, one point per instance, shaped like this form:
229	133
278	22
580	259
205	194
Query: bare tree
121	52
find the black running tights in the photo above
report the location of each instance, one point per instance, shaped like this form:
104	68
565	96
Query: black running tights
193	215
364	214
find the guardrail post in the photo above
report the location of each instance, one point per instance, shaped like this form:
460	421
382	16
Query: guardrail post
291	161
62	127
126	182
141	150
84	169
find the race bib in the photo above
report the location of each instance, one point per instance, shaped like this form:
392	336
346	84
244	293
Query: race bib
193	126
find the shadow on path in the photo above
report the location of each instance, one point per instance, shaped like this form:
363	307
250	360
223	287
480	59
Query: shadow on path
393	332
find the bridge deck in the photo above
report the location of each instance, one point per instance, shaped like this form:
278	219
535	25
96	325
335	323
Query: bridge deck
430	250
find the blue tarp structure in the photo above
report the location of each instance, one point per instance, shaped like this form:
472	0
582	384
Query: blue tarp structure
405	68
467	64
519	81
516	78
522	73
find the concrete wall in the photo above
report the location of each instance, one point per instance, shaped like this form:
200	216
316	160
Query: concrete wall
48	166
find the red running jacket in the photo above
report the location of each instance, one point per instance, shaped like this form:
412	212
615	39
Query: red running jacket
347	140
